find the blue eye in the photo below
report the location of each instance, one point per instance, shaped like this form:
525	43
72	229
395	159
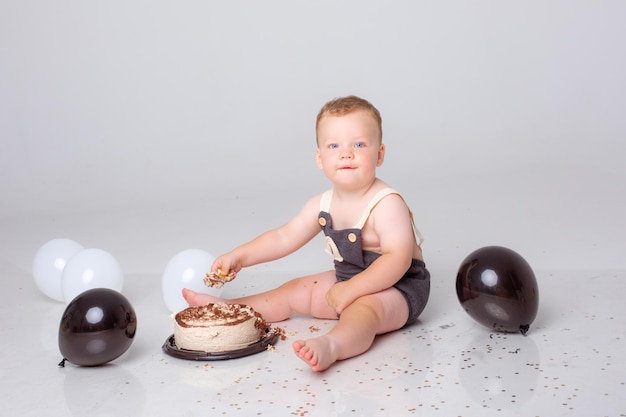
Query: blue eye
359	145
333	146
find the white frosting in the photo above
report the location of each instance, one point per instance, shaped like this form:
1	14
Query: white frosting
216	328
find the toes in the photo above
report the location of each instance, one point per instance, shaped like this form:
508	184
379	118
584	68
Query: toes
304	352
191	297
298	345
188	295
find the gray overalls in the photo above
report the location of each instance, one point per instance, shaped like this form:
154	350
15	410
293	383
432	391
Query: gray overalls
350	258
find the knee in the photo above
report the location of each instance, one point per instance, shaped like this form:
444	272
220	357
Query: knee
387	314
368	306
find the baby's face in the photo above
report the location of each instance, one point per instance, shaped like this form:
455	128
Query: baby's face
349	148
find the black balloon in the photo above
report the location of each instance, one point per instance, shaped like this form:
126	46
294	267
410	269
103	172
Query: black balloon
97	326
498	289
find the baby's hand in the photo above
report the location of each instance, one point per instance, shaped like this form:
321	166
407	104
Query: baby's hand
228	262
339	297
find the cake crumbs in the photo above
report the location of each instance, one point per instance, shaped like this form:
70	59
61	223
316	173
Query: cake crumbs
280	332
217	279
314	329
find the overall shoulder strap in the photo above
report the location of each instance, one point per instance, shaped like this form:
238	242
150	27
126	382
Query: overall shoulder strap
370	206
327	197
375	200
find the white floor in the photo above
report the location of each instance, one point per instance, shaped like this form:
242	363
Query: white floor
572	362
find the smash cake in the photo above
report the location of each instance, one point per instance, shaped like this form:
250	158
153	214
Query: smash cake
218	327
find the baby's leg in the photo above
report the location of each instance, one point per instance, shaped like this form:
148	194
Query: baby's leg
354	334
297	296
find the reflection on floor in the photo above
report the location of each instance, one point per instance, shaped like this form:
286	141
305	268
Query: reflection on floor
571	362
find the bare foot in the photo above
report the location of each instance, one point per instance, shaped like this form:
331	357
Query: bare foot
197	299
318	353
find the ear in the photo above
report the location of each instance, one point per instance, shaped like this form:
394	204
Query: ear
381	155
318	159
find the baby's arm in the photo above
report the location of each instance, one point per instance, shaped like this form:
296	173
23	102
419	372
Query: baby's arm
274	244
392	224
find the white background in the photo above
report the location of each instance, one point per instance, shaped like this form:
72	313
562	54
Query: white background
150	127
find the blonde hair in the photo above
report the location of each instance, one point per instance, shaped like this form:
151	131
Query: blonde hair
344	105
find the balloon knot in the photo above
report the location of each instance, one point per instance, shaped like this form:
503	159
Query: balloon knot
62	363
524	328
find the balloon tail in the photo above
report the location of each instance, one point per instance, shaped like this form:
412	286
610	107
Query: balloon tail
524	328
62	363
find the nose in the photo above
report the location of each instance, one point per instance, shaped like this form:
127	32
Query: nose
346	153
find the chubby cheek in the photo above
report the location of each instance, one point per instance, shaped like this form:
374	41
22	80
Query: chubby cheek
323	161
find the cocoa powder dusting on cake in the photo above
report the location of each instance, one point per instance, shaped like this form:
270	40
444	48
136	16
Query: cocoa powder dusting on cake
265	328
231	314
260	324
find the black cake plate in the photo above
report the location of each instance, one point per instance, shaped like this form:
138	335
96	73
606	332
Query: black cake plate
171	349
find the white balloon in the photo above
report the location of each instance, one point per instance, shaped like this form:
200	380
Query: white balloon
186	269
49	263
88	269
